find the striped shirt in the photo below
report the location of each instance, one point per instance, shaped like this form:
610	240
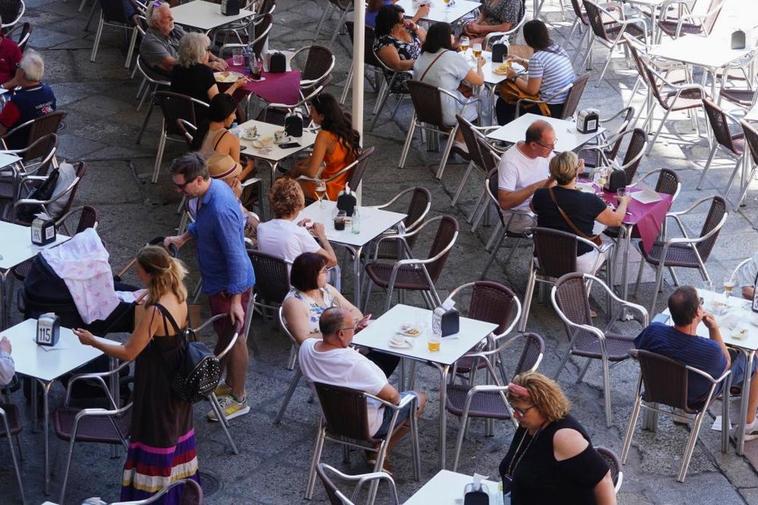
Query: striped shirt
553	66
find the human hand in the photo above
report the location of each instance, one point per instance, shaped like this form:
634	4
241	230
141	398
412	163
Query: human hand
5	345
623	200
175	240
422	11
320	230
362	323
236	313
218	65
85	337
709	321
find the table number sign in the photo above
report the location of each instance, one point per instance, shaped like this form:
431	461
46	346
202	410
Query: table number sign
48	329
43	230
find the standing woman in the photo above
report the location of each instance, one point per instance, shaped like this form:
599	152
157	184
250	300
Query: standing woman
161	436
551	459
337	146
495	16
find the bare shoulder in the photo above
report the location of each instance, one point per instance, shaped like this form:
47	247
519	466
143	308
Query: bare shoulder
567	443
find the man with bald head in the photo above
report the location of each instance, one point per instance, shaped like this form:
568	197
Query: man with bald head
523	169
333	361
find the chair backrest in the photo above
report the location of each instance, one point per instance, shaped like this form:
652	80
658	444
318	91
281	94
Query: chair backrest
491	302
634	149
113	12
192	494
38	128
555	251
176	106
271	276
471	140
668	182
626	123
418	207
24	33
490	158
613	462
714	9
42	149
359	170
572	300
266	7
492	186
11	11
344	411
578	12
335	495
426	102
595	17
531	354
574	96
751	139
665	380
318	64
81	170
187	130
262	29
369	57
87	219
719	124
714	218
447	233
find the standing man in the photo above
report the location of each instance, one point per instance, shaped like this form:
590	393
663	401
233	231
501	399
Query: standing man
225	268
523	169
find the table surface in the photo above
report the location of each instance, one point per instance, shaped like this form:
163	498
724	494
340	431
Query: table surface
446	488
647	3
567	138
739	316
752	114
378	334
490	77
709	52
374	222
273	152
438	11
204	15
8	159
16	246
47	363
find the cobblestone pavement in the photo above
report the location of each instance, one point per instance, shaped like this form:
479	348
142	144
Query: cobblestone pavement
271	468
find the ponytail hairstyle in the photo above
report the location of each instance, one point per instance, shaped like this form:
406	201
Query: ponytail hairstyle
166	273
337	122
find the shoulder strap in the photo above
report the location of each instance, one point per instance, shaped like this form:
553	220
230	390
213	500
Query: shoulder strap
218	140
167	315
432	64
565	217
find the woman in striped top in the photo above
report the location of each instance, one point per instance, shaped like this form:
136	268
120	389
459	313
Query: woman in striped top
549	72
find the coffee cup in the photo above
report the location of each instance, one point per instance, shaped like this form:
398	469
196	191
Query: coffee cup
280	136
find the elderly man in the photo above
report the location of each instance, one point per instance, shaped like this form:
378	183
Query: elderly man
7	366
161	42
29	99
681	342
225	268
523	169
333	361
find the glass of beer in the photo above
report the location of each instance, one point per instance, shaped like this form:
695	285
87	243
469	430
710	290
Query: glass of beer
464	43
477	49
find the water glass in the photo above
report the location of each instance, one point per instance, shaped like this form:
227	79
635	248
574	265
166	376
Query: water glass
238	59
621	192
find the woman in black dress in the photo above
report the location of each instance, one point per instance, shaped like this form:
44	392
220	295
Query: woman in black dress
161	435
551	459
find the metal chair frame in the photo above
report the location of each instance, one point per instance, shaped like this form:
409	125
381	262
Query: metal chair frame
741	158
493	37
308	84
157	497
15	460
385	90
345	6
123	25
360	480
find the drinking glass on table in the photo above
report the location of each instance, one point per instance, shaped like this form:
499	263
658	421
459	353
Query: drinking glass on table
464	43
729	284
320	193
238	58
621	192
477	50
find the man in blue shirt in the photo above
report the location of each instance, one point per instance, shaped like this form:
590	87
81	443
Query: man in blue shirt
681	342
225	268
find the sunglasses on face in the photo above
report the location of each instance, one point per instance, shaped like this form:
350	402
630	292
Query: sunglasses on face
522	411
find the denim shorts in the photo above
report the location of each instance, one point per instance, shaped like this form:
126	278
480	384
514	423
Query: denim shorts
739	364
404	414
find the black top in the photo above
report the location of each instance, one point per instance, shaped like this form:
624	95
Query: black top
195	82
538	479
581	208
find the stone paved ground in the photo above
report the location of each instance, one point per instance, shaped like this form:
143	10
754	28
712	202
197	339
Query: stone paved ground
100	128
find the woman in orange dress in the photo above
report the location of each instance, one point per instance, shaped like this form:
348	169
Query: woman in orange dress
336	147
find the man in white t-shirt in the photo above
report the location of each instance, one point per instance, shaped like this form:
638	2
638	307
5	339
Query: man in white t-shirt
332	361
523	169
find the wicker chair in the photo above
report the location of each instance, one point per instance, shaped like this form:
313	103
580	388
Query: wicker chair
369	58
413	274
685	23
112	14
392	84
613	462
600	154
344	7
291	365
474	154
152	81
67	195
666	383
354	171
10	429
419	204
570	298
37	128
22	33
488	400
262	27
685	252
345	421
733	144
575	91
336	497
316	69
192	494
271	279
751	139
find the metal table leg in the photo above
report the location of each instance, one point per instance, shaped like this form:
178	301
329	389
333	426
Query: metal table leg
4	310
46	429
443	369
357	276
743	403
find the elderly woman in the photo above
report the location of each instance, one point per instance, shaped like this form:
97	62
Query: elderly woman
495	16
398	43
568	209
161	436
440	65
549	72
551	458
30	98
281	236
193	77
311	295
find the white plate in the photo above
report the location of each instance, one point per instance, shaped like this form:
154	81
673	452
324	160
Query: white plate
585	187
646	196
227	77
402	343
408	331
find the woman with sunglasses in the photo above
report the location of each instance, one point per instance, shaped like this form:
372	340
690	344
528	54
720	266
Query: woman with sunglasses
551	459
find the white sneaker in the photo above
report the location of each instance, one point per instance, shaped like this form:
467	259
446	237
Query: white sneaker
751	430
461	145
230	407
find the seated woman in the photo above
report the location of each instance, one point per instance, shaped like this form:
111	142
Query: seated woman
398	43
311	295
551	458
440	65
214	136
336	147
549	71
193	77
495	16
565	208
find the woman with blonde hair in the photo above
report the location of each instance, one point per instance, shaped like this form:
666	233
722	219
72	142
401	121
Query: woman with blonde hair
568	209
161	435
551	459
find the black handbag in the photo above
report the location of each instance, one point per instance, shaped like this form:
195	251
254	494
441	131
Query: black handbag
277	64
44	192
499	52
199	371
616	180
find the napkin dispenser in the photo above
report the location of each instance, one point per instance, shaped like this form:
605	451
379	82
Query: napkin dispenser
447	317
588	121
616	180
346	201
754	305
230	7
499	52
48	329
476	493
43	229
277	63
738	39
293	124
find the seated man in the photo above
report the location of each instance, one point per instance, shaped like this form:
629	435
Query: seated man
681	342
333	361
523	169
10	57
7	367
31	99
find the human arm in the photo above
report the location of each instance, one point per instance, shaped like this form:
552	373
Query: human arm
610	217
509	199
343	303
588	468
311	166
9	116
714	333
475	77
389	55
296	314
480	29
178	240
146	327
421	13
216	63
389	394
748	292
326	249
533	81
7	366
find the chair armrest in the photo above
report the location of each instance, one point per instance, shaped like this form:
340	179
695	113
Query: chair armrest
97	377
454	97
209	322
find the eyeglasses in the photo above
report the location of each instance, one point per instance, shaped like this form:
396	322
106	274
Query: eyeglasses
522	412
183	185
347	328
551	146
